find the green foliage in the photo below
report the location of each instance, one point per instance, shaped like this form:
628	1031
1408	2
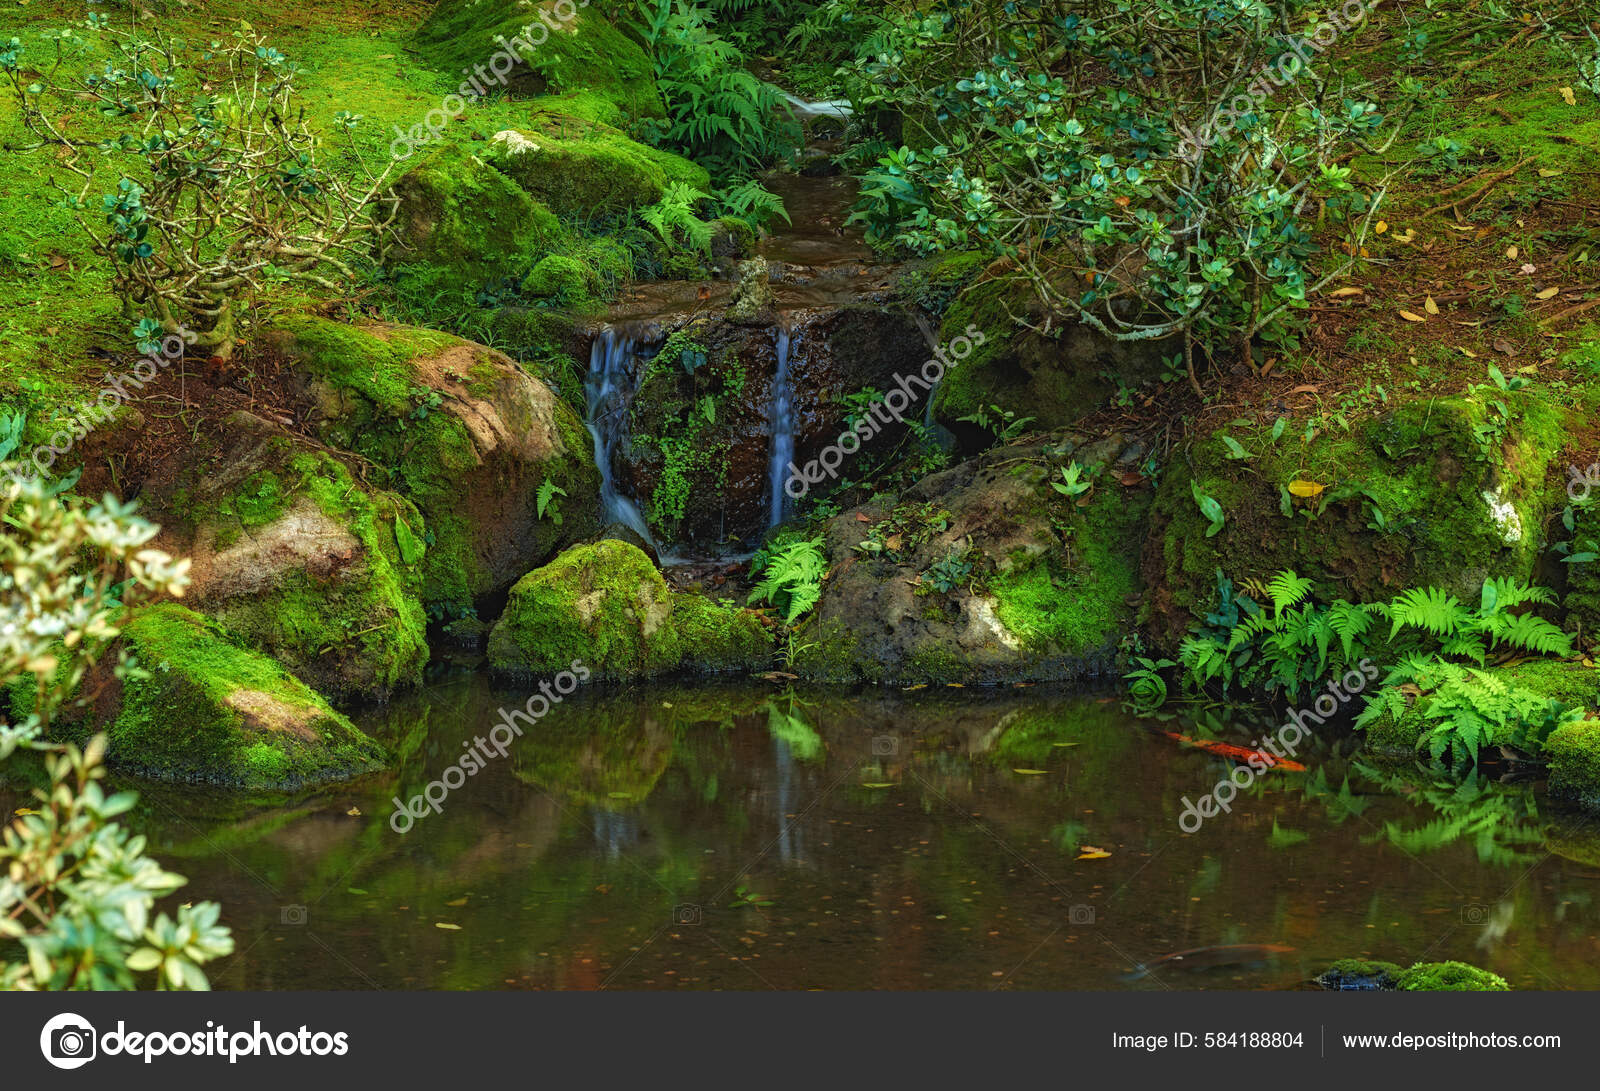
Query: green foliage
77	889
1003	423
1067	137
717	112
791	576
674	219
546	500
1210	508
952	573
1145	684
1074	482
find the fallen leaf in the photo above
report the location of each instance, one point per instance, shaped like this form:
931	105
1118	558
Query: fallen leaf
1305	489
1430	306
880	784
1543	173
457	904
861	517
354	812
1031	772
1566	94
1130	478
447	927
1305	388
1383	225
1091	852
1412	316
1548	293
1340	293
1468	353
1502	345
893	543
1512	252
1530	269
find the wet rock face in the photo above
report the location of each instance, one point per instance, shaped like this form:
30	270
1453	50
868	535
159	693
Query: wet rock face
984	573
703	480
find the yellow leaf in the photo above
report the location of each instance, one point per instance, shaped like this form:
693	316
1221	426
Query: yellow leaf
1544	173
1306	489
880	784
354	812
1340	293
1566	93
1548	293
1430	306
1031	772
457	904
1469	354
1383	225
447	927
1412	316
1090	852
1512	253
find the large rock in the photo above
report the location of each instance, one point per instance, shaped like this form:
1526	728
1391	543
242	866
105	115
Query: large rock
983	573
211	712
1437	491
461	431
302	561
586	169
607	607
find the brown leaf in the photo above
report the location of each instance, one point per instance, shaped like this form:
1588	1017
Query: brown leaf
1502	345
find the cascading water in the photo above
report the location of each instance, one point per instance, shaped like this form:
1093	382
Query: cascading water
609	387
781	416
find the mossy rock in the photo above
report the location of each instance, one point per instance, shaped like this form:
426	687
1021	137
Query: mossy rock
1462	497
1055	380
1020	602
1573	754
1454	977
1359	975
212	712
301	561
462	223
561	278
606	605
461	431
597	171
571	49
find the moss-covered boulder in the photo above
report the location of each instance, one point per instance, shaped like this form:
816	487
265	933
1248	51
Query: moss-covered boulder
1437	491
501	469
544	48
1573	754
606	605
1359	975
302	561
1454	977
211	712
462	223
1056	380
588	169
984	573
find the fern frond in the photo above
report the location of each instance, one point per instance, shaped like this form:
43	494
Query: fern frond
1286	589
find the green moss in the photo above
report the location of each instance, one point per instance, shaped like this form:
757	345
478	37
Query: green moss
1449	977
359	630
1573	753
212	712
464	223
606	606
560	277
1426	465
1082	608
586	53
1360	973
598	171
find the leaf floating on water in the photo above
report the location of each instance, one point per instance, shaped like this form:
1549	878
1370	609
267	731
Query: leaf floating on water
447	927
879	784
457	904
354	812
356	890
1092	852
1031	772
1063	744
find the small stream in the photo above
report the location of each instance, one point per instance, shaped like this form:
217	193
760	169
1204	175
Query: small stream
739	836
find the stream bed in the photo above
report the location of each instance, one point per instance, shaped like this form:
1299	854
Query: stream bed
747	836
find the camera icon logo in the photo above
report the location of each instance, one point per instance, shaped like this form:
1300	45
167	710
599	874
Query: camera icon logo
68	1041
688	913
1080	914
1475	913
292	914
885	746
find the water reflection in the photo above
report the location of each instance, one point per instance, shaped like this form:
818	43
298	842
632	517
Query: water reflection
744	837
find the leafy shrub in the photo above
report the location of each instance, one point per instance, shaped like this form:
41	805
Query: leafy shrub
791	576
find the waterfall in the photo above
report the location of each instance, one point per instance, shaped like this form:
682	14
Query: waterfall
782	420
609	387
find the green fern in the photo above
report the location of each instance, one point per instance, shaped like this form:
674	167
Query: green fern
546	500
791	577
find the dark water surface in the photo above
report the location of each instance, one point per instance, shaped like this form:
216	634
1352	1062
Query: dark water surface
747	837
